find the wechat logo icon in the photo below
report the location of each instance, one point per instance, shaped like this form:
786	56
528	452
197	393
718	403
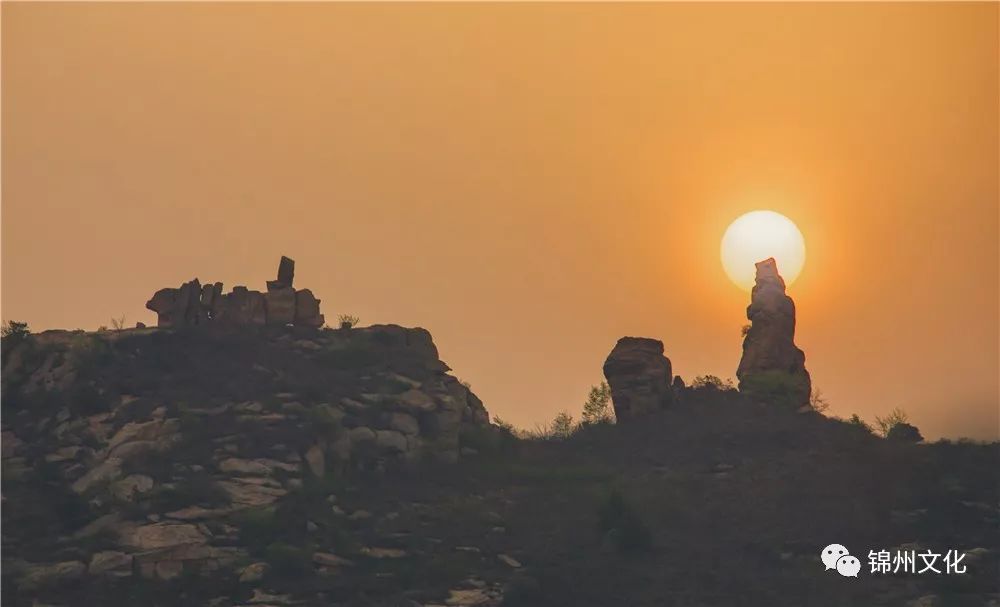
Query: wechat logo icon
838	558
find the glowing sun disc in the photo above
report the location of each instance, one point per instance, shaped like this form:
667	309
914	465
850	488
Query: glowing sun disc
756	236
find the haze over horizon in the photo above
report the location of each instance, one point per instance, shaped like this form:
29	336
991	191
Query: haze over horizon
529	182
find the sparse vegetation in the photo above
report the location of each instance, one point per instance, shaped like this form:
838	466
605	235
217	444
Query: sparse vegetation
855	420
817	401
884	425
562	426
744	330
776	388
505	426
348	321
118	324
13	334
597	409
14	330
712	382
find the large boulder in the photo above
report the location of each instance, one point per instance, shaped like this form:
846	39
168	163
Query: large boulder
307	312
195	304
280	305
286	275
772	368
639	376
178	307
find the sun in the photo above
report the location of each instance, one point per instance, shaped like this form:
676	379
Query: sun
756	236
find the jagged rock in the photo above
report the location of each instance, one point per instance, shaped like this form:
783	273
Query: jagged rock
286	275
316	460
509	561
193	513
415	399
130	486
194	304
468	597
383	553
254	572
158	432
905	433
361	434
43	575
106	471
263	598
111	562
307	311
243	307
639	376
405	423
162	535
772	368
280	305
63	454
250	496
255	467
325	559
391	440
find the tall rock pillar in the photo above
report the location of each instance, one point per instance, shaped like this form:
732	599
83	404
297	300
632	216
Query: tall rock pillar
772	369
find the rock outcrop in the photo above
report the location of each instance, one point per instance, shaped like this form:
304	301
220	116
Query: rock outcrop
194	304
772	368
639	376
167	440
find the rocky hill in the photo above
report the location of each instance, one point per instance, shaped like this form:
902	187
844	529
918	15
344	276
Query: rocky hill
150	444
227	458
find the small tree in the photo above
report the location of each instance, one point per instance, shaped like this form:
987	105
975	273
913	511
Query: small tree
886	424
14	330
712	382
348	321
505	426
118	323
562	426
597	409
856	420
817	401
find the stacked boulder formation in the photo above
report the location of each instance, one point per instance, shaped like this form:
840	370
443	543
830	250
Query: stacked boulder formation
772	368
194	304
173	444
639	376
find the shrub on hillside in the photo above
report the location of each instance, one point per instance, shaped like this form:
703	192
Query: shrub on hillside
817	401
905	433
13	334
597	409
884	425
776	388
14	330
712	382
855	420
562	426
348	321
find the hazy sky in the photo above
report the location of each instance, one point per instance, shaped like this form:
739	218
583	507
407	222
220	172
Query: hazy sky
529	182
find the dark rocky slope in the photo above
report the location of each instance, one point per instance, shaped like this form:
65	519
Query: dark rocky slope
234	487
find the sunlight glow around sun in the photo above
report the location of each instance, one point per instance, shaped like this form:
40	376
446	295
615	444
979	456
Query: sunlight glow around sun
756	236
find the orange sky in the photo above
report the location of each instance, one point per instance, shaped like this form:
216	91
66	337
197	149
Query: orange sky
527	181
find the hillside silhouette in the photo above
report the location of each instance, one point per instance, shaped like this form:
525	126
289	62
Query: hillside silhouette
280	464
